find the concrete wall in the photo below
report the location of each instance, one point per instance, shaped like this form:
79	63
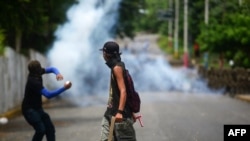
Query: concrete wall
13	75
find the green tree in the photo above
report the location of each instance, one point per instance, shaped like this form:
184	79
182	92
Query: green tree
129	15
2	37
29	23
150	20
227	34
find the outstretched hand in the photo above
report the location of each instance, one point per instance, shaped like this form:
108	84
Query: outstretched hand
59	77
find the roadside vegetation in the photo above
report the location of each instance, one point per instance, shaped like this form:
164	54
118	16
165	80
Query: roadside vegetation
225	37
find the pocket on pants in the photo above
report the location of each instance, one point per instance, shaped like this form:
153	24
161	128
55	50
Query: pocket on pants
124	131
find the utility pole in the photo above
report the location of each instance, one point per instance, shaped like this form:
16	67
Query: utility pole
170	25
185	56
206	12
240	2
206	23
176	29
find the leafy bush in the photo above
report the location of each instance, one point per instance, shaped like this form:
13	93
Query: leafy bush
2	37
230	37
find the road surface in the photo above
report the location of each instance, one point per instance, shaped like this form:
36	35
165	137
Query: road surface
167	116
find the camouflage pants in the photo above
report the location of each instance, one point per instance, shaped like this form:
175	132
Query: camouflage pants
123	131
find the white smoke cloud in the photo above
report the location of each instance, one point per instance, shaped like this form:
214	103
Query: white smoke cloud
75	52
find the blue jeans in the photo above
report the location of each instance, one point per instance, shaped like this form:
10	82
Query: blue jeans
41	123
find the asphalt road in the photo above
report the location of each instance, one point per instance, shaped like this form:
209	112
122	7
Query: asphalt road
167	116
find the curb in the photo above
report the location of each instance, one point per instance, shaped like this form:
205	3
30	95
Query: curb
243	97
12	113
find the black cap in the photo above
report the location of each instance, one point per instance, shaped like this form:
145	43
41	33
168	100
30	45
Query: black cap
110	47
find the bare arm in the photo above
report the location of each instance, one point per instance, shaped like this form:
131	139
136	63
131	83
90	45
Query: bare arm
118	72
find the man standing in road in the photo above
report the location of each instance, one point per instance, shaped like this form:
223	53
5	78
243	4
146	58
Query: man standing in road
117	106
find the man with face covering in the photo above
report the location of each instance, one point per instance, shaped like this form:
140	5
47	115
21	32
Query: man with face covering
32	102
117	106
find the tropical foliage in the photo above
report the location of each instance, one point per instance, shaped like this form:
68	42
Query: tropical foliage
31	20
129	15
1	42
226	34
32	23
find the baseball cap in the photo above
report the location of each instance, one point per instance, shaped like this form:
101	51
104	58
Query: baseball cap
110	47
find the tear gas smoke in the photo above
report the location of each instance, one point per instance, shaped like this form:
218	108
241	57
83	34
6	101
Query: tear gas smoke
75	52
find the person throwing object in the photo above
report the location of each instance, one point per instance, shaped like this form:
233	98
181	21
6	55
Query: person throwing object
32	102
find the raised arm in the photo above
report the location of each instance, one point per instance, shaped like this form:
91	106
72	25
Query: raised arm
52	70
55	71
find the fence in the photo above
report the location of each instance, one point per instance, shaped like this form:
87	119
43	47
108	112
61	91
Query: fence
235	80
13	75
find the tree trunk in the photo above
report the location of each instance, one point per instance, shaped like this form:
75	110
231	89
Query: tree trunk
176	29
18	40
221	61
170	25
185	34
